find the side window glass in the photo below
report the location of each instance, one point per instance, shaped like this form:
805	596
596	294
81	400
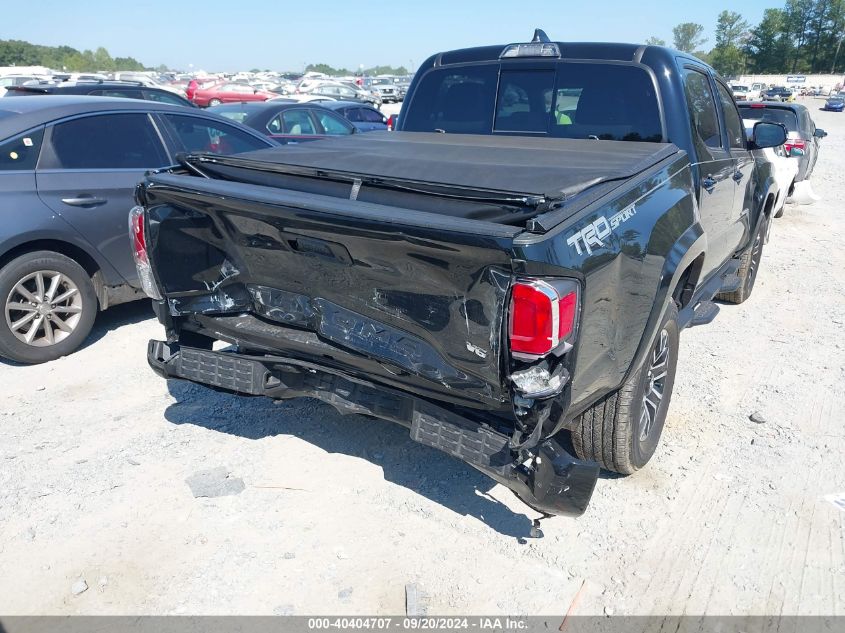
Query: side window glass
162	97
21	152
333	124
109	141
702	108
125	94
202	135
275	125
371	116
736	135
353	114
297	122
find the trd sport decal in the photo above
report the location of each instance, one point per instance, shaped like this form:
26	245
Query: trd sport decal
591	236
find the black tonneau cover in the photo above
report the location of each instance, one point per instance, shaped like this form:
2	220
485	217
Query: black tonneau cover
529	173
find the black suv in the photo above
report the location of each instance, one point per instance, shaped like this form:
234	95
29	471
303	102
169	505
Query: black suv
126	89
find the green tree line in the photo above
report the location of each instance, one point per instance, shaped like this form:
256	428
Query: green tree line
340	72
805	36
20	53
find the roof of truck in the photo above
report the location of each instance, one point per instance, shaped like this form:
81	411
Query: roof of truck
611	51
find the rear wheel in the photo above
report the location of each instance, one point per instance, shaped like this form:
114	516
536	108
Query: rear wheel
214	102
49	306
622	431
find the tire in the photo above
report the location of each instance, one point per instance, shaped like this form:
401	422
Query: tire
25	284
749	265
214	102
622	431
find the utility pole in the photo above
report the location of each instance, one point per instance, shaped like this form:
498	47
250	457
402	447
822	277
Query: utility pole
836	54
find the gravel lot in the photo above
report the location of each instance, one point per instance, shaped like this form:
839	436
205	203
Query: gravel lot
100	460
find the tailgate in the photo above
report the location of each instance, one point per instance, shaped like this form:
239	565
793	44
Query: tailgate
412	298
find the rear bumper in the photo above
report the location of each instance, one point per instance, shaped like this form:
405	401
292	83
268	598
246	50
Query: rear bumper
549	479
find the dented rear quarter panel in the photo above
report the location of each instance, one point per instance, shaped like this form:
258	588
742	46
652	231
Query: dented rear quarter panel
627	279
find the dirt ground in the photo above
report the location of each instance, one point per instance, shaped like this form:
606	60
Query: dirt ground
324	514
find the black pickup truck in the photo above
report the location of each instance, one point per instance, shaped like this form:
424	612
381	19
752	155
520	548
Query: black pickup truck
515	263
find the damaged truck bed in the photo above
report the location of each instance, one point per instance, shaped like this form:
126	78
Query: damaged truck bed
489	292
327	288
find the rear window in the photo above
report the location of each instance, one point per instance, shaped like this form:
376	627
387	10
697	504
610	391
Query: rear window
573	100
772	115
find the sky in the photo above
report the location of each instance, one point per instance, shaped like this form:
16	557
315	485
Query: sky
231	35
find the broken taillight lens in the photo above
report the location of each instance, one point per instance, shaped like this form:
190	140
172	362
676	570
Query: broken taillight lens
138	239
542	315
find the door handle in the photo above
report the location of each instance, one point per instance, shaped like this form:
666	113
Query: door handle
737	176
84	201
709	184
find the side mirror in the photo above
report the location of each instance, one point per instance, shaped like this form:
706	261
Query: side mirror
767	134
819	133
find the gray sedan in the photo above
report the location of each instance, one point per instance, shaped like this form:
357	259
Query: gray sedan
68	169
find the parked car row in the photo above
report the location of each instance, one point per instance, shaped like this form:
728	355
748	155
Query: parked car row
360	114
761	92
108	88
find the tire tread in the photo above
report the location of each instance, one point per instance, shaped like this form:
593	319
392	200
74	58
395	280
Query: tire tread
603	433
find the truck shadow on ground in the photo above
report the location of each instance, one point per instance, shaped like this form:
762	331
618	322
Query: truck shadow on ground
423	470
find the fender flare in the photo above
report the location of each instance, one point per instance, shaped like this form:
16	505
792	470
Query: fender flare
770	189
691	244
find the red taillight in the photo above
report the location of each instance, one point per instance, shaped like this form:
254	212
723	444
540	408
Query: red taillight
757	105
542	315
138	237
797	143
391	121
139	240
